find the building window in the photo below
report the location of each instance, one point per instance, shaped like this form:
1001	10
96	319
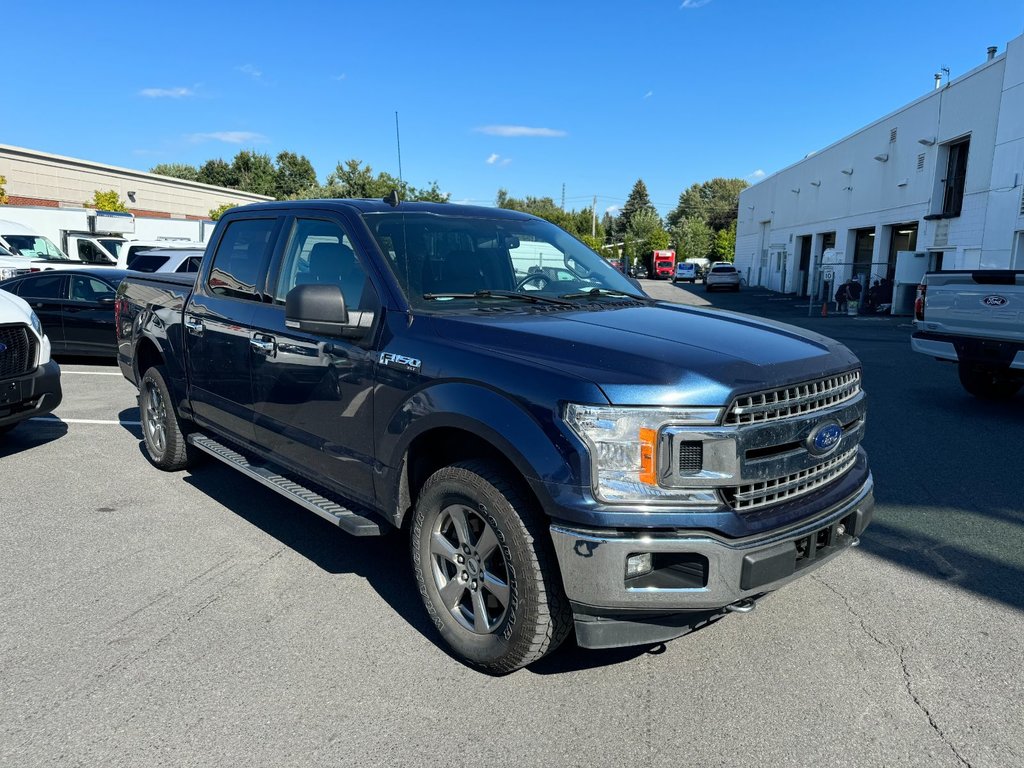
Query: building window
956	175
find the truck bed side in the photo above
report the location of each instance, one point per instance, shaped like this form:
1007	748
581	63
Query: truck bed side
986	304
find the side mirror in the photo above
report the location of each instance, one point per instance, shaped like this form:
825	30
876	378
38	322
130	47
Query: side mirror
320	309
107	300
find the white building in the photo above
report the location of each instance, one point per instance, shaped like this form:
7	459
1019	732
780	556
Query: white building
941	177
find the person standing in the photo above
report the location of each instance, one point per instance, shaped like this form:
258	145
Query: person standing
841	298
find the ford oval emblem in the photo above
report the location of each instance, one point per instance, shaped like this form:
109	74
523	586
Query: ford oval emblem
3	347
995	301
824	438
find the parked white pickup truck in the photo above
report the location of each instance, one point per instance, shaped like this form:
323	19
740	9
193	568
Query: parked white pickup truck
29	379
974	319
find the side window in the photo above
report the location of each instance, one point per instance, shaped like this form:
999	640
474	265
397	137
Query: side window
43	287
84	288
191	264
236	265
87	252
321	252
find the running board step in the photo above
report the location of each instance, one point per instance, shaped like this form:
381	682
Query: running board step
349	521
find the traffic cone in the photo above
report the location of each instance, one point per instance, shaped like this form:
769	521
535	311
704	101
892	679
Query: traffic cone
824	309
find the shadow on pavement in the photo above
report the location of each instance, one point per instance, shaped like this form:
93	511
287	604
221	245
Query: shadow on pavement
31	433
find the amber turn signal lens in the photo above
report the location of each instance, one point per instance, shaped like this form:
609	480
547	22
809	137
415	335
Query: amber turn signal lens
647	473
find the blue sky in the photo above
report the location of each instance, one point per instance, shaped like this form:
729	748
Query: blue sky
525	95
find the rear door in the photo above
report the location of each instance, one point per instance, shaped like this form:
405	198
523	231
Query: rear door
89	316
314	394
218	324
46	293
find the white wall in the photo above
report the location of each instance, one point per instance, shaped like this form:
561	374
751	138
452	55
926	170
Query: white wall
986	104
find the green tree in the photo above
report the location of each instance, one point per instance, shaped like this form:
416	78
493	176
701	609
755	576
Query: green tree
295	176
177	171
107	200
639	200
714	202
725	243
216	172
353	179
578	223
645	234
254	172
3	192
694	239
216	213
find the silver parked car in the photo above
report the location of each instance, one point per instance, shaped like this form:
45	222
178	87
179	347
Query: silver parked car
722	275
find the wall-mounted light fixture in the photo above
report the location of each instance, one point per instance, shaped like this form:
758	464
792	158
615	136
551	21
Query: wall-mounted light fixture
795	189
927	141
131	196
902	182
816	183
847	189
847	171
882	157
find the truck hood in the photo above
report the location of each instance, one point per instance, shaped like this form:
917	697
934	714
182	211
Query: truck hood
662	354
13	309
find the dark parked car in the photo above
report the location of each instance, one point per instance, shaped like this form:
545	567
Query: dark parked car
76	307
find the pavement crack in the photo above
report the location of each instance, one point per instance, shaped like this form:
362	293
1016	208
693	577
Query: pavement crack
901	652
920	705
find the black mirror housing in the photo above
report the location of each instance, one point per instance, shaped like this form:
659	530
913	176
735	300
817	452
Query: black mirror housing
316	308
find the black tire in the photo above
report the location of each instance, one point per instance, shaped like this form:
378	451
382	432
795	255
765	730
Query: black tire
501	540
987	383
162	431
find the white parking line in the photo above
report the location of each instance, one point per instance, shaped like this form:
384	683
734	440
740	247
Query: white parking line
92	373
57	420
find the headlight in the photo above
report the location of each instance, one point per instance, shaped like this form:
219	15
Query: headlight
623	444
8	272
36	325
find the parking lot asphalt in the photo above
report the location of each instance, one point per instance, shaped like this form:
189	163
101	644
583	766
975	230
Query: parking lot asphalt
198	619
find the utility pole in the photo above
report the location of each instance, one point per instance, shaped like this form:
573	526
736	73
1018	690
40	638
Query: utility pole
593	222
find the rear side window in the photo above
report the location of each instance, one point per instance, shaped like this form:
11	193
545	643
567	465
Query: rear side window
191	264
43	287
148	263
239	258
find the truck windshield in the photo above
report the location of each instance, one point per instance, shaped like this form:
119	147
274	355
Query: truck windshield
34	247
112	245
449	262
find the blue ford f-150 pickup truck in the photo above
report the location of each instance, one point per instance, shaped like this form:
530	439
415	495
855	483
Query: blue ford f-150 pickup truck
562	451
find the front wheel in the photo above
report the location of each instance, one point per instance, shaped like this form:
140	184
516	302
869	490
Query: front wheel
162	430
485	568
988	383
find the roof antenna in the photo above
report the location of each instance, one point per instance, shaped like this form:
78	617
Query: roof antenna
392	198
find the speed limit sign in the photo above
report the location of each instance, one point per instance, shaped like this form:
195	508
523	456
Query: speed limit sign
827	275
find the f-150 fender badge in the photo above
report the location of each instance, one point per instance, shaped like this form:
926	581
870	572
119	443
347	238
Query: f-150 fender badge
995	301
401	362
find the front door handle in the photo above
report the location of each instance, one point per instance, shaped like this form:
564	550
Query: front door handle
262	345
193	325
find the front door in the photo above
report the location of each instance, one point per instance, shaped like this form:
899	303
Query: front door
46	293
217	326
313	395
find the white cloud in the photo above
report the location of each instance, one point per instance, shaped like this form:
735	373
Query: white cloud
167	93
694	3
251	70
342	76
648	94
516	131
228	137
757	175
612	209
493	158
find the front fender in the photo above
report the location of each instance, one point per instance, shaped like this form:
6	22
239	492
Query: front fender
530	436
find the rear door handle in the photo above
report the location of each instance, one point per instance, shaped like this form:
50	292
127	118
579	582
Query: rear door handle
262	345
194	325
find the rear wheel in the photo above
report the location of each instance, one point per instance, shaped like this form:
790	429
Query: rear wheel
989	383
162	431
485	568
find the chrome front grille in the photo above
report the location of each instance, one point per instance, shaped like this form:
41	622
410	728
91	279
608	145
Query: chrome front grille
744	498
795	400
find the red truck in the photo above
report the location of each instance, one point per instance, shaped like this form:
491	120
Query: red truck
663	264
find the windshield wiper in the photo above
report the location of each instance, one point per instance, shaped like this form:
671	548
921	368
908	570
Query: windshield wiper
597	292
530	297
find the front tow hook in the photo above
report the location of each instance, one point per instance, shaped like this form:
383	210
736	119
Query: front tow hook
742	606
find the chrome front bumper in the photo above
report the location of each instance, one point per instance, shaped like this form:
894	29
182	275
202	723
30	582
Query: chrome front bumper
719	571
